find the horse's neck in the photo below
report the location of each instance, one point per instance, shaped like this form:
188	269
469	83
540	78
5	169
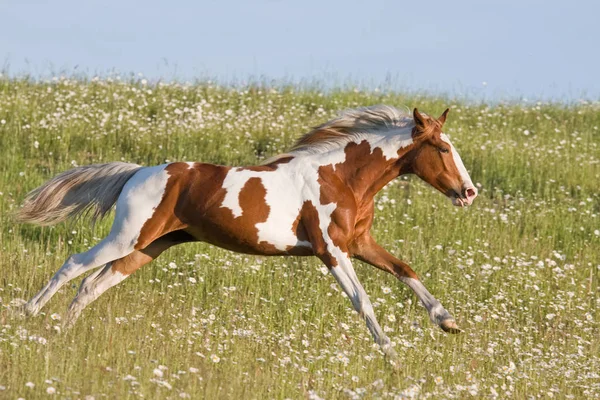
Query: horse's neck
367	180
363	170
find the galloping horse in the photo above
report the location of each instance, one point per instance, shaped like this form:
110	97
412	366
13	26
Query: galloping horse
315	200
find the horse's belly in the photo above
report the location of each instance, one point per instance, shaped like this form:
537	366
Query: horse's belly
265	238
260	228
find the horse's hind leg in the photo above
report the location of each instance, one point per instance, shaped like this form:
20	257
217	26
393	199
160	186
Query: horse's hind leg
115	272
91	287
135	206
107	250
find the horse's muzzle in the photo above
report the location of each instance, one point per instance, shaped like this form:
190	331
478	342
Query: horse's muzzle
466	197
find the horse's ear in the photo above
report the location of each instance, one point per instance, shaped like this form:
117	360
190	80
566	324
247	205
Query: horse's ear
418	118
442	117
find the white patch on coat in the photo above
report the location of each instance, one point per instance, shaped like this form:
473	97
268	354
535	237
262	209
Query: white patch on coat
292	184
233	183
287	188
137	202
392	143
464	175
284	201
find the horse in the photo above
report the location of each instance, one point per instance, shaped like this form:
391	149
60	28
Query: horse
315	200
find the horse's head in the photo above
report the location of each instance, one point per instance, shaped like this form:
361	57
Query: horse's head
436	161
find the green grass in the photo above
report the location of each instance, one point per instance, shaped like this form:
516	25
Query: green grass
519	269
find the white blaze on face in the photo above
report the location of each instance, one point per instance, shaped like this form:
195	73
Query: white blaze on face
464	175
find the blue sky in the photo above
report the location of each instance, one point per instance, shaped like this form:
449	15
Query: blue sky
526	48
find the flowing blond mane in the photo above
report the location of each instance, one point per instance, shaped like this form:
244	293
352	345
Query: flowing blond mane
353	124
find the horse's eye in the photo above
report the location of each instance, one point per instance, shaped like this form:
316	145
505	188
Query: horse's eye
443	150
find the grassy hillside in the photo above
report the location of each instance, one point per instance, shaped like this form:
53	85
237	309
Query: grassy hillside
519	270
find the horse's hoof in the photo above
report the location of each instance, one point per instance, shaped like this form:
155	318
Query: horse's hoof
390	354
19	312
394	363
69	322
391	357
449	325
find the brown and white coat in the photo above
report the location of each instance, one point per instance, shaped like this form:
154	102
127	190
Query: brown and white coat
315	200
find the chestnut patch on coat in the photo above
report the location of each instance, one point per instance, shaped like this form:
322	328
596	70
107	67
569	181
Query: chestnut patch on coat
308	218
298	228
192	203
163	220
254	211
308	228
271	166
351	185
132	262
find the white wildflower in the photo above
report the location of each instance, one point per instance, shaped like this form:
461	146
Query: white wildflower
158	373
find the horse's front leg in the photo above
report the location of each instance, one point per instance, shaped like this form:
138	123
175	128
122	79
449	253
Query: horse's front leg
340	266
327	233
366	249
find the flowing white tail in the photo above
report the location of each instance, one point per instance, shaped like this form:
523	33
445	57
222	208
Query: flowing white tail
91	189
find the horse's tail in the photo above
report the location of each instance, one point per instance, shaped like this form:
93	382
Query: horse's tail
91	189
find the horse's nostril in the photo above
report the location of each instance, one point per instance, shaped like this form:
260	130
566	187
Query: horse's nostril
470	192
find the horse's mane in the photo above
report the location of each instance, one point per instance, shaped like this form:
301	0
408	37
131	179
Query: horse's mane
350	125
353	123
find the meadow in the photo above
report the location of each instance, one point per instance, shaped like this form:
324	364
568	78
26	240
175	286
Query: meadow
519	270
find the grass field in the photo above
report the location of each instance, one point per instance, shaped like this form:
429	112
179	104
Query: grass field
519	269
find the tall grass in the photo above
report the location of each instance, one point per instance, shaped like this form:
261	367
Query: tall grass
519	269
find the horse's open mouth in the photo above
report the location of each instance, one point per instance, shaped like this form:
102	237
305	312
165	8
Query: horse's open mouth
459	201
